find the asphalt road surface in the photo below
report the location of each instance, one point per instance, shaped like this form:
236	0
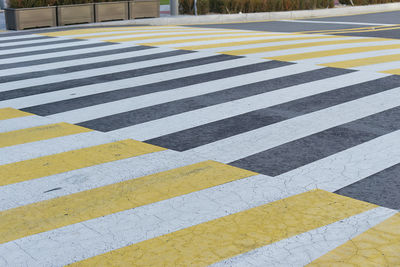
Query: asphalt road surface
269	144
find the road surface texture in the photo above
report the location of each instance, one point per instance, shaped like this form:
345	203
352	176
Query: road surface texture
265	144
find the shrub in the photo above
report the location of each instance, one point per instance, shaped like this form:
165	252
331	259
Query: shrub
40	3
251	6
187	7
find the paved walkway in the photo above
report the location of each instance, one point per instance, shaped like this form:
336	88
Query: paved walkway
2	21
183	146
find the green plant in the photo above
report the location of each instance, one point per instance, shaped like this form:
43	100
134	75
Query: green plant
251	6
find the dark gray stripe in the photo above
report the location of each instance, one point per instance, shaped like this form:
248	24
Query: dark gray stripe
91	100
53	42
179	106
24	39
57	86
83	67
53	50
303	151
382	188
214	131
72	57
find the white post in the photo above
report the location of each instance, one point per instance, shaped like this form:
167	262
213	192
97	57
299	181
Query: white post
195	7
174	7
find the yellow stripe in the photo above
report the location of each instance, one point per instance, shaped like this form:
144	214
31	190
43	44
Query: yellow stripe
294	46
50	214
99	30
169	36
10	113
238	233
72	160
379	246
39	133
217	45
363	61
395	71
327	53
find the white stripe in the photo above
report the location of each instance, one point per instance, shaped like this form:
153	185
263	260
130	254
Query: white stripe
49	46
83	61
43	41
300	250
228	41
83	240
157	34
179	122
9	86
252	142
273	44
22	123
24	193
102	110
6	38
337	22
133	30
285	52
125	83
348	166
18	59
380	67
172	39
53	146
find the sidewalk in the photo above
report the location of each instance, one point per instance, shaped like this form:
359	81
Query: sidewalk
2	21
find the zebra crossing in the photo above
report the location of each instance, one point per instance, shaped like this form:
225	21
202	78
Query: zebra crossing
179	146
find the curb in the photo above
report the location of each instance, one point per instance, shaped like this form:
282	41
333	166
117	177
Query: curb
264	16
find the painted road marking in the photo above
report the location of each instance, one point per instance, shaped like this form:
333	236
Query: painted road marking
76	159
378	246
337	22
192	120
294	46
255	141
300	249
10	113
180	41
262	41
393	71
189	98
234	234
39	133
47	215
327	53
111	35
80	241
19	123
217	81
91	58
20	194
37	98
363	61
54	145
